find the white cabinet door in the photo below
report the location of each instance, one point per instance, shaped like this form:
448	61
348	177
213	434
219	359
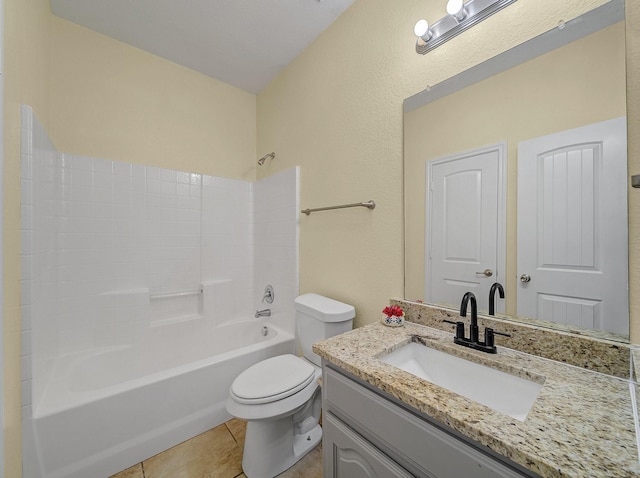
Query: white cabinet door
465	226
572	227
348	455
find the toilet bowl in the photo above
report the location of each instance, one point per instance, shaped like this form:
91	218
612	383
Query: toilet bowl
280	396
282	418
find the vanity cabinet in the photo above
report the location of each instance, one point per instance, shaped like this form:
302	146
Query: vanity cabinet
351	456
368	435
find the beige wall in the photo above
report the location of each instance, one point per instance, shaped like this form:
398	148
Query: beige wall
633	145
554	92
337	112
99	97
26	71
110	100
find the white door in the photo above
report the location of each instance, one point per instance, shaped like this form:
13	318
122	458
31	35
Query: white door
572	227
465	240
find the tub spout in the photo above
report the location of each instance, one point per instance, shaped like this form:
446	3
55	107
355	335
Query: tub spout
263	313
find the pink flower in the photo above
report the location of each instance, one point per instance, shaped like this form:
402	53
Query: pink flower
393	311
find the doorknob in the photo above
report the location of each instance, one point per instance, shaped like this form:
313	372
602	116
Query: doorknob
486	272
524	278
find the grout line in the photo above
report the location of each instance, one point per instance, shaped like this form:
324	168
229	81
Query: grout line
231	433
142	466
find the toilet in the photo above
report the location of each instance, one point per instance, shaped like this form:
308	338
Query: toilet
280	396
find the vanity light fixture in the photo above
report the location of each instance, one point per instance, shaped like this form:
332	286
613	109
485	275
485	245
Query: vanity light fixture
461	15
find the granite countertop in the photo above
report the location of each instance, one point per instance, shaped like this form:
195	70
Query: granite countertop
581	425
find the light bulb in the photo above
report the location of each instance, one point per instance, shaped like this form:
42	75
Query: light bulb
456	9
422	30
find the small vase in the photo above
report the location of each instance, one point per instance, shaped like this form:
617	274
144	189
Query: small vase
393	320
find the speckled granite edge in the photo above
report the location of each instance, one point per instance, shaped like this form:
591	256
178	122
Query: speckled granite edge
581	425
635	363
605	356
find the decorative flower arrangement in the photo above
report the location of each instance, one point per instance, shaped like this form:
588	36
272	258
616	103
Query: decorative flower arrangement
393	316
393	311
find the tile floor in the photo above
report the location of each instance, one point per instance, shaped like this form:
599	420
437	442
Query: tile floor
214	454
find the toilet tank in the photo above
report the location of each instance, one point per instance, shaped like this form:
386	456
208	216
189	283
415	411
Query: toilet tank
318	318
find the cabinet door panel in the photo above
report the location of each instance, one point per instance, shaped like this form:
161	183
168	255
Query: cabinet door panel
348	455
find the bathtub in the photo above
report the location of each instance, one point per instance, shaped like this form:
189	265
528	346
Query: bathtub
105	410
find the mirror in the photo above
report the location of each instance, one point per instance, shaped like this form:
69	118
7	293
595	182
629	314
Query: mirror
564	80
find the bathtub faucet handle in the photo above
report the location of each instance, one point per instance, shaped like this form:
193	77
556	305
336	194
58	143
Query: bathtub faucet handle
269	295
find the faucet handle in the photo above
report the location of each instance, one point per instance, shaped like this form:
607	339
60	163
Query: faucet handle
501	333
268	294
489	339
459	328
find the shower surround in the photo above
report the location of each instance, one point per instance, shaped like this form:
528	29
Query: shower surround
128	266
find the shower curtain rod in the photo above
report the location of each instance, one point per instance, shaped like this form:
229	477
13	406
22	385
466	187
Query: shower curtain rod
368	204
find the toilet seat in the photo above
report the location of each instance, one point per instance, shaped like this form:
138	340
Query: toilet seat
273	379
272	408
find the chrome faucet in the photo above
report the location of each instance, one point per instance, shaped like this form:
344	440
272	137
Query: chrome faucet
473	341
492	296
263	313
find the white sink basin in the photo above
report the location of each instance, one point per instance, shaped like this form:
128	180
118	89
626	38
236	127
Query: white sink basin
503	392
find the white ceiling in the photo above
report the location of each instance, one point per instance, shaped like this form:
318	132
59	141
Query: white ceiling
242	42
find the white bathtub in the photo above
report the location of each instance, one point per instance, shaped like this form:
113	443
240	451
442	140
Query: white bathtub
106	410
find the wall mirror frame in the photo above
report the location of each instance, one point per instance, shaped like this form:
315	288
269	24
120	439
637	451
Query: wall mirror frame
608	20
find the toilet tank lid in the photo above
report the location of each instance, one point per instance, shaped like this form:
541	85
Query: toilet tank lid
324	308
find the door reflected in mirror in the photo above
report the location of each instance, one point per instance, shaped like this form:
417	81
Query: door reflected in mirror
465	225
572	227
579	84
